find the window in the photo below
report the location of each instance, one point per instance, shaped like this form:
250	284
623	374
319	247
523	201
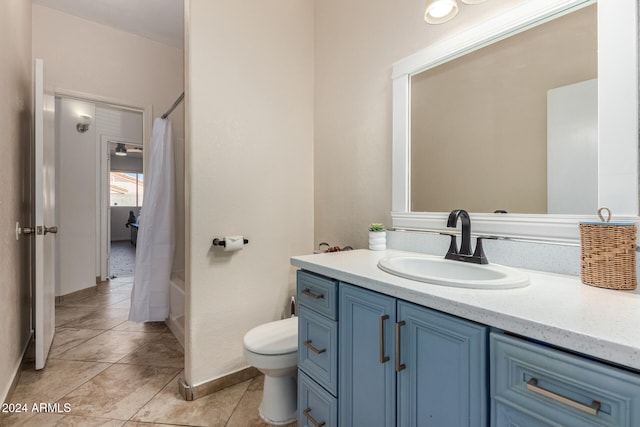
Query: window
126	189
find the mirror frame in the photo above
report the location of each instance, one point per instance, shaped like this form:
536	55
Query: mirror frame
617	120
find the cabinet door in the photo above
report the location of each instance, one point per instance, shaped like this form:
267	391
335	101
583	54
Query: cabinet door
367	385
444	381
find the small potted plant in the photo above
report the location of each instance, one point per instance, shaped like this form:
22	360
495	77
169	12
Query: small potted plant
377	237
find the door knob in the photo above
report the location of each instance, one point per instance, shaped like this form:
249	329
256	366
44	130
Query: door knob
53	230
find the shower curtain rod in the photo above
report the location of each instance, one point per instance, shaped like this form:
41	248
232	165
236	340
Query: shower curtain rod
173	107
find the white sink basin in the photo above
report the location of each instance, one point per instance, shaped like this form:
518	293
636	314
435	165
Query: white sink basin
440	271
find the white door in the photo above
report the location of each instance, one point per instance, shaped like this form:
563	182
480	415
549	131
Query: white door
45	229
572	149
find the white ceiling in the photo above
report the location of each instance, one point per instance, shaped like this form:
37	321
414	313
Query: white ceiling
159	20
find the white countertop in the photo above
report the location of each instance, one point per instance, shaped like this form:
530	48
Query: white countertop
554	308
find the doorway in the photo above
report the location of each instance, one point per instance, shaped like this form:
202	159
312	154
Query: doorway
122	194
120	186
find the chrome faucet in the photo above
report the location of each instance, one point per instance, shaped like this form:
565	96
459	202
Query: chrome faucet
464	253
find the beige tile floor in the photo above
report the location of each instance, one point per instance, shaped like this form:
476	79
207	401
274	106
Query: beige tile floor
106	371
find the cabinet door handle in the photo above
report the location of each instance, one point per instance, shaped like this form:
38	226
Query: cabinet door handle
307	413
532	385
383	358
310	346
310	294
399	366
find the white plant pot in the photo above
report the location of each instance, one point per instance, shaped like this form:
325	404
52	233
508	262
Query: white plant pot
377	240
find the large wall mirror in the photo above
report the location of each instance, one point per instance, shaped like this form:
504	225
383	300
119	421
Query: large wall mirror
534	112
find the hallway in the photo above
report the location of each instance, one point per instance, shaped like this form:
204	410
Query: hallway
106	371
122	259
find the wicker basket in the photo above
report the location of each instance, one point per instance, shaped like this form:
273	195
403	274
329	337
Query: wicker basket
608	254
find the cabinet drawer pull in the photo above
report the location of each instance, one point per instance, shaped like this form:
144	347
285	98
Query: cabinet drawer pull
399	366
532	385
307	413
310	294
310	346
383	358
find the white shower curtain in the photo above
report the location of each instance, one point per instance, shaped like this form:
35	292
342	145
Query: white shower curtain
156	241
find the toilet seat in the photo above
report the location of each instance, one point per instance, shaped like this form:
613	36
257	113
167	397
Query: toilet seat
273	338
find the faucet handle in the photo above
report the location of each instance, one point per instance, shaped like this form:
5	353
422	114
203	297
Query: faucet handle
453	246
478	254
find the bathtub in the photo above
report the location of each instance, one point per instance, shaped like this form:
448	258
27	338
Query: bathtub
176	309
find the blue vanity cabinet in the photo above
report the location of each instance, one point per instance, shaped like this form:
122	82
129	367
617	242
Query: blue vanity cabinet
317	350
316	407
367	385
406	365
537	385
444	381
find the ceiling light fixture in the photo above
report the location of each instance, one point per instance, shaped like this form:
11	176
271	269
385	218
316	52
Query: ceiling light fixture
440	11
121	150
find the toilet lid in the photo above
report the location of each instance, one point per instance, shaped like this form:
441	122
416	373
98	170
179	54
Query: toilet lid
279	337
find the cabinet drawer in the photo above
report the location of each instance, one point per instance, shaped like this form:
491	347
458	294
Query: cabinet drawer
318	293
508	417
317	348
559	388
316	407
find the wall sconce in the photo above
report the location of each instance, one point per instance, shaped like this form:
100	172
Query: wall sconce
83	123
121	150
440	11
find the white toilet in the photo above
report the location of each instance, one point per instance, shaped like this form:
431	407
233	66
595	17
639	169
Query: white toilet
273	349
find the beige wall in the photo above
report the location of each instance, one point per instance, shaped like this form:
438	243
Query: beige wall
15	191
101	61
85	58
249	170
356	43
